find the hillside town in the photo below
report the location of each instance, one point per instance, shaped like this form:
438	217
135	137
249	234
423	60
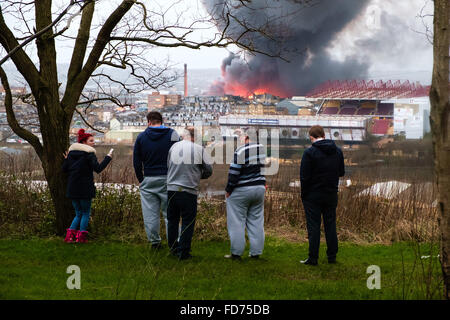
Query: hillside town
120	124
350	111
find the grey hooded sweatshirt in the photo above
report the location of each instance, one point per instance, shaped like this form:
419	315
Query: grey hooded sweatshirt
187	163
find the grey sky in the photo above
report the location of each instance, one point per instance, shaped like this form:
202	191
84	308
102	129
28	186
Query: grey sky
387	34
395	52
390	35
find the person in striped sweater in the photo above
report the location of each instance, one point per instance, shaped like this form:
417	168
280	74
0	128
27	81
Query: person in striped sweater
245	199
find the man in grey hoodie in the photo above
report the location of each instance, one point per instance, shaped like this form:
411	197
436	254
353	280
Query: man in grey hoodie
187	164
150	156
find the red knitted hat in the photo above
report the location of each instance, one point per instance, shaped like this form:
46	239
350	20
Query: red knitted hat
83	136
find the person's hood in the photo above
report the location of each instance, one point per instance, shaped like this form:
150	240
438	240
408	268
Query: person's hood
326	145
156	133
79	151
81	147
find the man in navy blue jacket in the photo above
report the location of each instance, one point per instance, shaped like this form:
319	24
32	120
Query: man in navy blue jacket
150	165
322	165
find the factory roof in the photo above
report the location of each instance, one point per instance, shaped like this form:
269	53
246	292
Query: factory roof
294	117
368	90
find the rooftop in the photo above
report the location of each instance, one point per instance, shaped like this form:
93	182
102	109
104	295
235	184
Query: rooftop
367	90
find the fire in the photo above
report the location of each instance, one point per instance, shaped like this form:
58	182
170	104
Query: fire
257	93
239	79
238	89
260	91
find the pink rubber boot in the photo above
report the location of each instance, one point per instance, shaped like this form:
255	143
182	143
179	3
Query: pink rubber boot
82	237
70	236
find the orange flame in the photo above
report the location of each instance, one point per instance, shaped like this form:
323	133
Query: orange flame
238	89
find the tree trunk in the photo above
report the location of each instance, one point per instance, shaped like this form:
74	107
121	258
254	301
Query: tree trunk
440	128
55	114
57	184
56	142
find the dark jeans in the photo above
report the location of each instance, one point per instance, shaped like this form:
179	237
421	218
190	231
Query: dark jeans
316	205
181	205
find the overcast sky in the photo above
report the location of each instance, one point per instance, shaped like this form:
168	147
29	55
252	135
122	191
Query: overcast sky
405	53
388	34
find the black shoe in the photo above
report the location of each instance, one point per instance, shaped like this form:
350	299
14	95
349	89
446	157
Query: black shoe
157	246
331	260
254	257
233	257
185	256
309	261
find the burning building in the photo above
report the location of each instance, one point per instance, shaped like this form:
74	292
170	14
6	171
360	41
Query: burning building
318	41
302	33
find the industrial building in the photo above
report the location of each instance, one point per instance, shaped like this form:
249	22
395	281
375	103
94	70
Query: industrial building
349	111
346	128
157	100
393	107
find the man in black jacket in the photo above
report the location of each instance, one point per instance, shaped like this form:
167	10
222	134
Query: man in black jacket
150	154
322	165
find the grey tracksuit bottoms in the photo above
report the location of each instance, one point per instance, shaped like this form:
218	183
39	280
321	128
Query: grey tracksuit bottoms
153	192
245	210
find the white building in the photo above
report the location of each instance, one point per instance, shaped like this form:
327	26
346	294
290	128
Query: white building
411	117
345	128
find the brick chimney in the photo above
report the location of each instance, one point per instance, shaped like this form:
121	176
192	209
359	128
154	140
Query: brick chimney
185	80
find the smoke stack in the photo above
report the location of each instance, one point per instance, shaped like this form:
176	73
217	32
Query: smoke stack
185	80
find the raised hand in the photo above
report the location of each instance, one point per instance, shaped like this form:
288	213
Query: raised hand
110	153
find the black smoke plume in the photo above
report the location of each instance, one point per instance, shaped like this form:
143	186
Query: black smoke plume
301	31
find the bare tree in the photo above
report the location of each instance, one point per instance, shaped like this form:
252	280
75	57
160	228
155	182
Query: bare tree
440	127
118	42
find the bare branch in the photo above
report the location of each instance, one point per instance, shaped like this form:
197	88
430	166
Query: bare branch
11	117
37	34
86	122
81	42
23	63
78	83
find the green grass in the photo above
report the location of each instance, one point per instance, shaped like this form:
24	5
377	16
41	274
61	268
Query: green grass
36	269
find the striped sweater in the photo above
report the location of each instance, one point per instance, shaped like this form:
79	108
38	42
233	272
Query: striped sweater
246	167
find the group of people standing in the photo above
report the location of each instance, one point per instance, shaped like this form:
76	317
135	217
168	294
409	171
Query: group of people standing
169	169
169	172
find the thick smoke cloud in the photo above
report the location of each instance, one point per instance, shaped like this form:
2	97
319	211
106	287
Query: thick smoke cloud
304	38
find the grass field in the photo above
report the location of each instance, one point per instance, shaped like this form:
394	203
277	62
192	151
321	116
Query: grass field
36	269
